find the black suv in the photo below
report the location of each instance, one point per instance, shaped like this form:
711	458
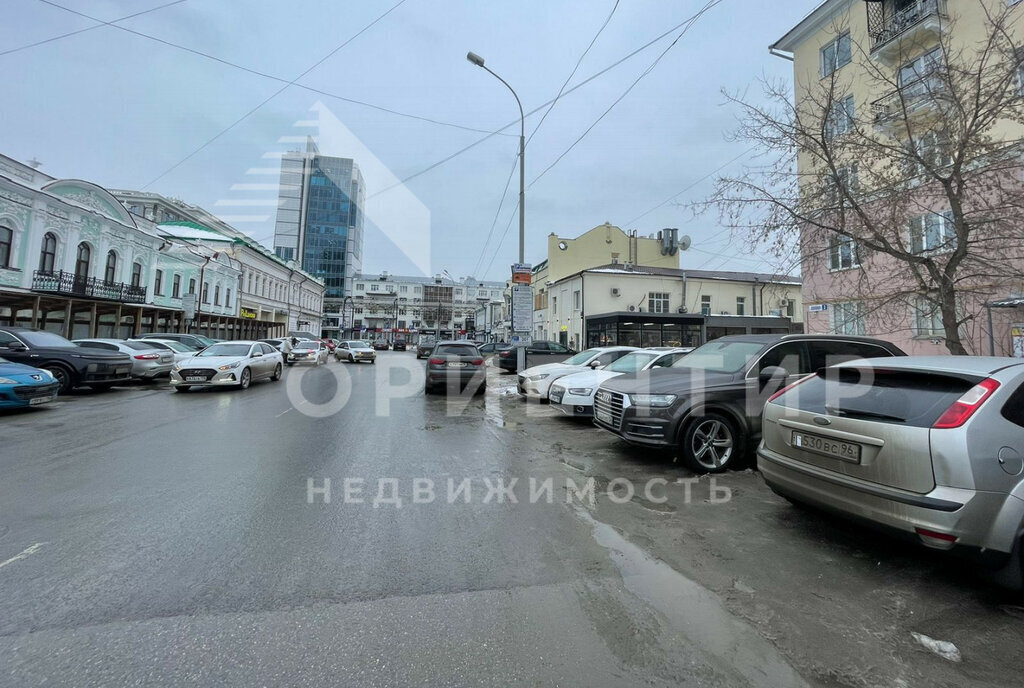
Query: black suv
707	406
537	353
70	364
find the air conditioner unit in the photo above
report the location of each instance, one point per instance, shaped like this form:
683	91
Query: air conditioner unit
783	303
681	309
615	291
632	308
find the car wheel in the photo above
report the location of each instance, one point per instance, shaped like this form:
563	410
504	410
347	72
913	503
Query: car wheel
62	375
245	380
711	444
277	373
182	388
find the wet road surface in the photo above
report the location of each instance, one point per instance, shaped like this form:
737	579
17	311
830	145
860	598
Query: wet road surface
157	538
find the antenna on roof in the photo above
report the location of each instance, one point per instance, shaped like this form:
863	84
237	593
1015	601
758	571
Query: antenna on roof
33	163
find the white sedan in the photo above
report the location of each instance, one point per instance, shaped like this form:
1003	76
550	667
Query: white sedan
228	364
534	382
574	394
308	351
354	351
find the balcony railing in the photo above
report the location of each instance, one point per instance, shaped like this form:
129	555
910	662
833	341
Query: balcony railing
68	283
886	23
920	95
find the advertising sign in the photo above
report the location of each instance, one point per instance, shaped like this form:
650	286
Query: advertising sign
1017	336
522	273
522	307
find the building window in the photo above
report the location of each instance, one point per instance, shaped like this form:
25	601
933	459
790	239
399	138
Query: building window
82	261
848	318
374	287
840	118
415	290
927	319
176	287
216	295
227	298
741	305
915	75
110	272
192	286
705	304
577	302
359	286
158	283
48	254
842	253
206	292
835	54
403	288
657	302
932	232
136	274
6	241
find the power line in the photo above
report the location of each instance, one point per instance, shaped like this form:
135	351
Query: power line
51	39
494	222
272	96
690	22
256	72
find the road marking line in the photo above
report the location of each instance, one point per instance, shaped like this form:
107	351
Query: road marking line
28	551
282	413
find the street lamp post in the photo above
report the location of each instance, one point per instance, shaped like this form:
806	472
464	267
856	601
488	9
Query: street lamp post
479	62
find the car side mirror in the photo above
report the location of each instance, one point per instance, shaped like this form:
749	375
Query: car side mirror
16	346
595	365
770	374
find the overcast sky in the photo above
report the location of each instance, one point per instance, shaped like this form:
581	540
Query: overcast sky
121	110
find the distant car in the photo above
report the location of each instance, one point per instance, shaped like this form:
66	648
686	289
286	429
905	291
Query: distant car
707	406
535	382
197	341
930	448
536	353
399	345
228	364
455	366
329	343
307	351
380	345
70	364
424	347
355	351
148	361
573	394
276	342
179	350
490	347
22	385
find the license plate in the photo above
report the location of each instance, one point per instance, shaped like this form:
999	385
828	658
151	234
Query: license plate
122	371
603	416
195	378
39	400
836	449
556	397
457	364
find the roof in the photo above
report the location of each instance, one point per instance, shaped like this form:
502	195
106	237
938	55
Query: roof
972	365
1011	302
423	279
723	275
186	229
815	19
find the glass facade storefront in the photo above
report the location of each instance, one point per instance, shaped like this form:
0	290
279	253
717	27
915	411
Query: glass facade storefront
626	329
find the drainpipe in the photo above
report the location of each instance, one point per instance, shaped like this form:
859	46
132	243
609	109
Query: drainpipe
761	298
583	310
753	297
991	335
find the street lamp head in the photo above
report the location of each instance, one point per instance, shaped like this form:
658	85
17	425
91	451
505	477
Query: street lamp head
475	59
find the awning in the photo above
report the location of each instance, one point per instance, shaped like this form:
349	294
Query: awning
1012	302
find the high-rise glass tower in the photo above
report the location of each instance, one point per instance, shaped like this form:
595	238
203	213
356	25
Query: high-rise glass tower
320	218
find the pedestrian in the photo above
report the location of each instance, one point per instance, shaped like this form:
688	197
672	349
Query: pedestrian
287	345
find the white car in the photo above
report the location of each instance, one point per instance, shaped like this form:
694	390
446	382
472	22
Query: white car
228	364
573	394
354	351
534	382
308	351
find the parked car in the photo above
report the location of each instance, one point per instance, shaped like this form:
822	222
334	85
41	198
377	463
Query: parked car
228	364
355	351
308	351
707	406
573	394
399	345
22	385
455	365
329	343
536	353
535	382
276	342
148	361
927	447
197	341
380	345
424	347
488	348
178	350
70	364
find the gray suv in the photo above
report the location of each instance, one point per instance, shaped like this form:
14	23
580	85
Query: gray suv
928	447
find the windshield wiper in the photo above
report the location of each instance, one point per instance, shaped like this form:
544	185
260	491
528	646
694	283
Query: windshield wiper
856	413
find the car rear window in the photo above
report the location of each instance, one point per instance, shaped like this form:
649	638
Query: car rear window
142	346
889	396
456	350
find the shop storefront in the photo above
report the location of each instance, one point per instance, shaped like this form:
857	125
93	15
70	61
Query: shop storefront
671	329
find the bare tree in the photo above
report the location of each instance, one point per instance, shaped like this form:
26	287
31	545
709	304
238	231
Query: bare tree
914	202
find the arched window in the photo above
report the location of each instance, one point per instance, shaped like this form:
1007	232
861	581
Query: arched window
48	254
82	261
137	274
110	273
6	241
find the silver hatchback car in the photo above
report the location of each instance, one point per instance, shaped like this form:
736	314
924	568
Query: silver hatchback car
929	447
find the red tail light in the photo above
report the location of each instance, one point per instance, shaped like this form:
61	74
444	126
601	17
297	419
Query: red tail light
477	361
147	357
505	353
964	407
789	387
436	361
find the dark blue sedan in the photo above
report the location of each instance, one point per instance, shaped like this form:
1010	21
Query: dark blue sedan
22	385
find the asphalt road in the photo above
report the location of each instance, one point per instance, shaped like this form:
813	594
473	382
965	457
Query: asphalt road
157	538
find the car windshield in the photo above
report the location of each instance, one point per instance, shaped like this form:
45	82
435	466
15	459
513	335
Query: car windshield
307	345
356	344
226	349
631	363
582	357
721	357
45	339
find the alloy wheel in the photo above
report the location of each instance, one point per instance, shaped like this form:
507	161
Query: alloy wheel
712	443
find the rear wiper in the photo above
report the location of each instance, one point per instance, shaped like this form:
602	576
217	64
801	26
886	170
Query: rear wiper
863	414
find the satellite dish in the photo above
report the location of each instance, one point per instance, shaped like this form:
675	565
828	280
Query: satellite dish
684	242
